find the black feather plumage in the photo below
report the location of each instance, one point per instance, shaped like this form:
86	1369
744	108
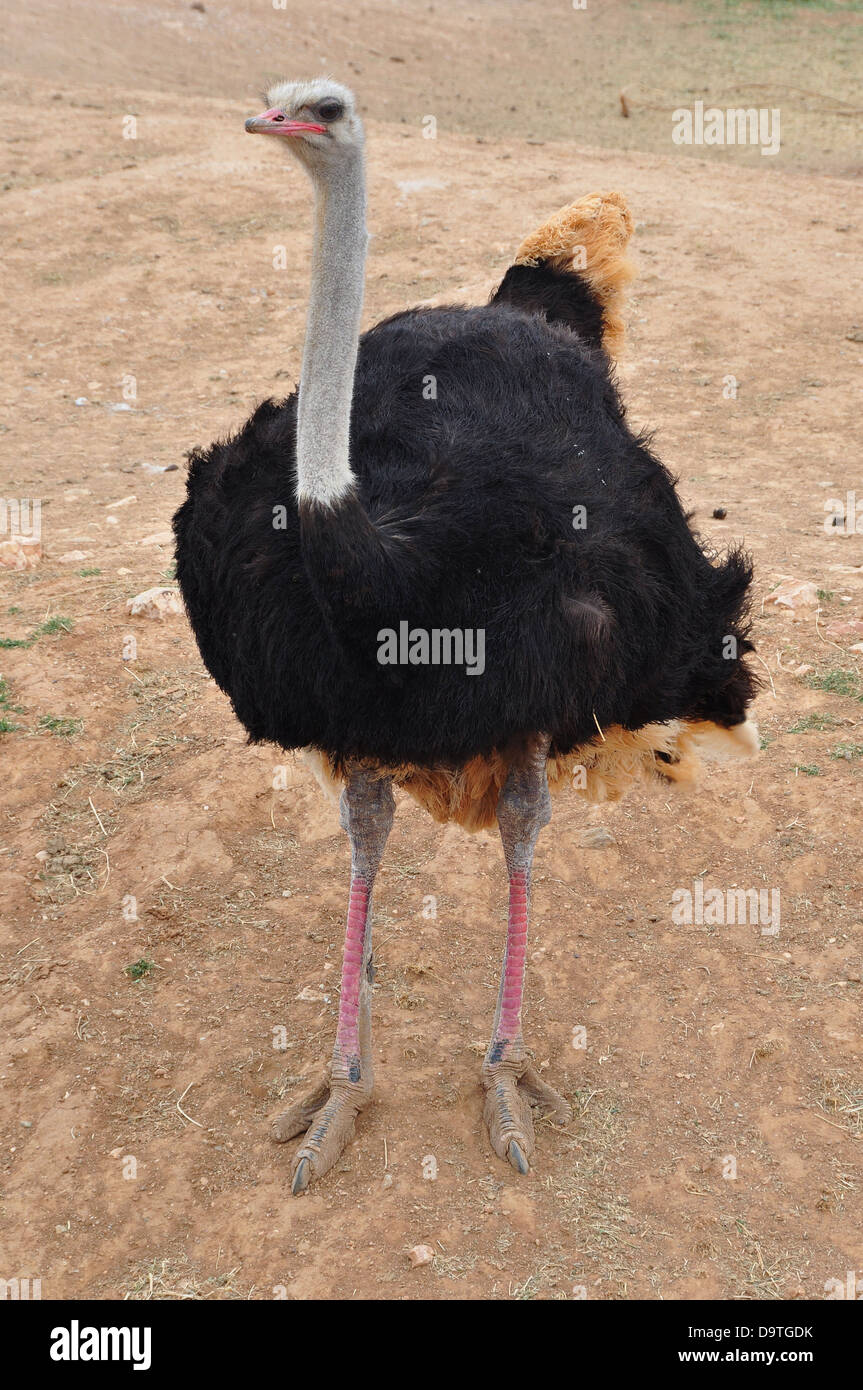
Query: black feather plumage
476	433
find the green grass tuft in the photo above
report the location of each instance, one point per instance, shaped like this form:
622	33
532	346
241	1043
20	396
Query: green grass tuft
6	707
139	969
45	629
848	751
816	721
63	728
836	682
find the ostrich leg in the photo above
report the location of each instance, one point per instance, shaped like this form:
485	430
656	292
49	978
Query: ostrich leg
328	1111
511	1084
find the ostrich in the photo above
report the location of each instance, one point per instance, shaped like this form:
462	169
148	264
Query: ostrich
322	547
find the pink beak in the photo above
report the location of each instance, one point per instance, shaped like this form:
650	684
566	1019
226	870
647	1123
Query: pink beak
275	122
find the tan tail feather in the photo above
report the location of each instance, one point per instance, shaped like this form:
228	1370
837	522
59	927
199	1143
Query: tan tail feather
602	770
601	224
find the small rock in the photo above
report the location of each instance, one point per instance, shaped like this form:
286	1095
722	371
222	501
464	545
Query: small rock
123	502
595	837
158	538
310	996
155	603
851	627
792	595
720	513
857	647
804	669
421	1255
72	557
19	553
387	1180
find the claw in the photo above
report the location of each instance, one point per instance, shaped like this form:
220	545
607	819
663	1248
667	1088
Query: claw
302	1177
514	1095
326	1115
517	1158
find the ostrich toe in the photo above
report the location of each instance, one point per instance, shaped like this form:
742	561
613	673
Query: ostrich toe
326	1115
512	1092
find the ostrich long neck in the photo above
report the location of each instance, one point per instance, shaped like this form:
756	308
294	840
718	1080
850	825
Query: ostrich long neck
332	333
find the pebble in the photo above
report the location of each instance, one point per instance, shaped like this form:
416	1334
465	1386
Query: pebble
310	996
792	595
595	837
158	538
155	603
851	627
20	553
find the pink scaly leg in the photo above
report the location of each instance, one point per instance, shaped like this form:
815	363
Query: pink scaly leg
327	1112
512	1085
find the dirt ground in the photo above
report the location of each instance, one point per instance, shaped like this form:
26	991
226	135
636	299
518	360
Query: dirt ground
169	917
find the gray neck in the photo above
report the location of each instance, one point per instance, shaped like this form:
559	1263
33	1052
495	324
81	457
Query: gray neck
332	332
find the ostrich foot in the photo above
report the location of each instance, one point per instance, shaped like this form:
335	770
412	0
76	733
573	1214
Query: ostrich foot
512	1091
326	1115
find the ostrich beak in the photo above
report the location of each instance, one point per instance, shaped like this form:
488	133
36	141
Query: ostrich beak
275	122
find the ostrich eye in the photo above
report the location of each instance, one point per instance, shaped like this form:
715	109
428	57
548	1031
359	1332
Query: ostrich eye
330	110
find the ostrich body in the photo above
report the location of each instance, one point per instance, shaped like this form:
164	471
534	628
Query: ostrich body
465	472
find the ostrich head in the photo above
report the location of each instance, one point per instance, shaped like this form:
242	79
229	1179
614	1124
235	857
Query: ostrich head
317	119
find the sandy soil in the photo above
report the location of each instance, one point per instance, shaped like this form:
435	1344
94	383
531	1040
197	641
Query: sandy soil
152	259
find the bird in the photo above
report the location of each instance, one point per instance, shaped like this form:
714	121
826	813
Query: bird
446	563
